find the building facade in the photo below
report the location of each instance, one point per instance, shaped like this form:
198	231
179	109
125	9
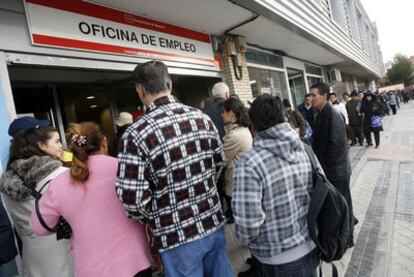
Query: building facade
71	60
329	40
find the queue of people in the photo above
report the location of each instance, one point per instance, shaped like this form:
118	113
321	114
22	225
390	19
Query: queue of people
178	175
362	112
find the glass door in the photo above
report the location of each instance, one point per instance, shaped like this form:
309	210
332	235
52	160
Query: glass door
297	86
86	103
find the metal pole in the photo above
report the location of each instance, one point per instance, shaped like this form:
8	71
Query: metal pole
113	105
58	115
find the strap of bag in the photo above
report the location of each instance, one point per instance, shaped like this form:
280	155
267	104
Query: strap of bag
41	220
37	195
39	215
314	163
311	156
334	270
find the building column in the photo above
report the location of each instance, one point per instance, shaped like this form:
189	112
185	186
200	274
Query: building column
235	66
373	85
7	114
355	83
7	110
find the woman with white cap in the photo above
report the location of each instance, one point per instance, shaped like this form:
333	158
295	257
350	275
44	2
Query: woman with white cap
122	123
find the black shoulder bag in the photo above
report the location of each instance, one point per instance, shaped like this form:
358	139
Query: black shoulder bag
328	217
62	228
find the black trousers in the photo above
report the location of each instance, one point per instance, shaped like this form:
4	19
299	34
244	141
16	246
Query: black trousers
229	212
220	188
376	137
344	187
144	273
394	109
355	132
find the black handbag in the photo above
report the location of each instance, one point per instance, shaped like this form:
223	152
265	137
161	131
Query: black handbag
62	228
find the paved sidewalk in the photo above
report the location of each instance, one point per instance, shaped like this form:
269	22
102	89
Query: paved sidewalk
385	244
383	196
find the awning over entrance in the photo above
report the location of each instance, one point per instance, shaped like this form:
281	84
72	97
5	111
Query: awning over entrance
262	27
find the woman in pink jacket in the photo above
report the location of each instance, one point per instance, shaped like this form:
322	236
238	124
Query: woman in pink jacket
104	241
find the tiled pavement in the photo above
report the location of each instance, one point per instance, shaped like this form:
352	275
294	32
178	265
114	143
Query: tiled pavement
383	197
403	247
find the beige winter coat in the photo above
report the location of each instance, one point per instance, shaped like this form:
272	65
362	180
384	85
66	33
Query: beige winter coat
237	141
41	256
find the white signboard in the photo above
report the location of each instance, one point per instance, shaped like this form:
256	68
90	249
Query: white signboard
393	87
83	25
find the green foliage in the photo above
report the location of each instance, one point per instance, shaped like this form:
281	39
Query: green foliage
402	71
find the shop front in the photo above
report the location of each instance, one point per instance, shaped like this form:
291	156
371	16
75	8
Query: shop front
71	61
285	77
61	96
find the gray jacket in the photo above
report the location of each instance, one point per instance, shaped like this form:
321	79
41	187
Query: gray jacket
272	184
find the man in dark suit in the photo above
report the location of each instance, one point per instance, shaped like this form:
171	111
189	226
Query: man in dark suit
213	107
307	110
330	144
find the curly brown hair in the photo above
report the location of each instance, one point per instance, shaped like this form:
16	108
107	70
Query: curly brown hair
93	138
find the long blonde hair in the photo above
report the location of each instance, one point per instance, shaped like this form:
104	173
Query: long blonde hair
84	139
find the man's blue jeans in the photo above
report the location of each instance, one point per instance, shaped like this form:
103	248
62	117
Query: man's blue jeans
203	257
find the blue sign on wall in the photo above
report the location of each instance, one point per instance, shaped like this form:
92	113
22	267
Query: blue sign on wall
4	125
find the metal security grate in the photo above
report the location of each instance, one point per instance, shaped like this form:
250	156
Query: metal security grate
262	58
311	69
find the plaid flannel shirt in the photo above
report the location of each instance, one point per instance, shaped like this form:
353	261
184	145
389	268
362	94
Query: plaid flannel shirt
272	184
169	162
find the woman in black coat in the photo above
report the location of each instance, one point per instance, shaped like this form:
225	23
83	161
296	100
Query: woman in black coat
7	246
371	108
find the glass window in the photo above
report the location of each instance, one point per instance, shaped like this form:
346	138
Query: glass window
313	80
338	13
268	81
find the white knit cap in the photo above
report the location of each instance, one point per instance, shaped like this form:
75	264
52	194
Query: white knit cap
123	119
220	89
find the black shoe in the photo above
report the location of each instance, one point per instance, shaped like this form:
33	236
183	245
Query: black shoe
248	273
356	221
351	243
230	220
352	144
361	144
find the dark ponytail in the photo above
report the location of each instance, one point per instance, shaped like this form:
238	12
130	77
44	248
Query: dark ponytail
84	139
239	110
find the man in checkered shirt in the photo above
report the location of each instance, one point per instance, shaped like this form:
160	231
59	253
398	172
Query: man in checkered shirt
169	162
272	185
